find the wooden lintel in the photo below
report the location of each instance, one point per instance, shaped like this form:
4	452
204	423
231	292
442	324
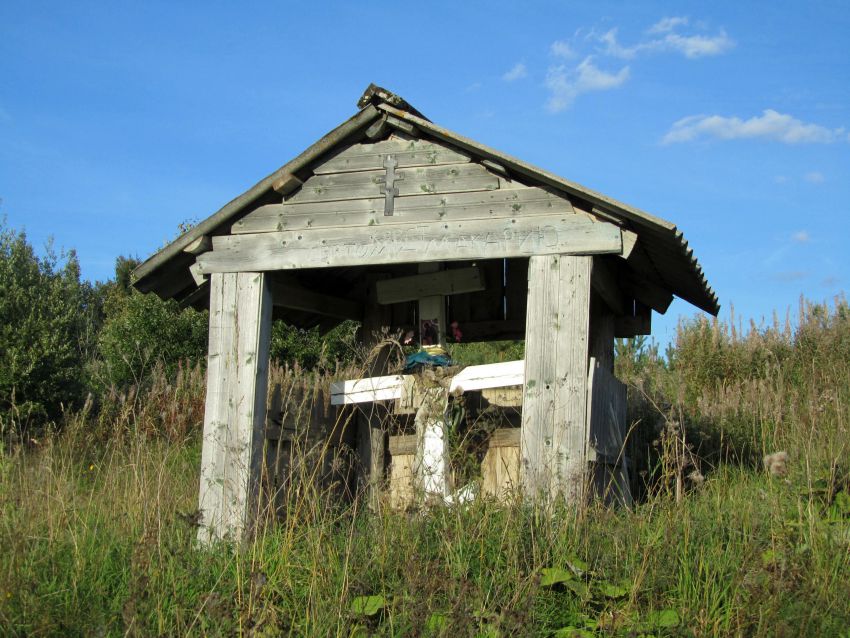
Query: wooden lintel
640	323
401	125
200	245
286	184
444	282
604	282
520	236
287	294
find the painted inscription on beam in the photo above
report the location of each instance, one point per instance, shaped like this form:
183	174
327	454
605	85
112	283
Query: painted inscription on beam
415	242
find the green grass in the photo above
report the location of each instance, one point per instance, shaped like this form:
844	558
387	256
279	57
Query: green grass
97	537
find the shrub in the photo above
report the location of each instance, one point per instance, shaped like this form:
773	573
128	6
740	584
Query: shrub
311	349
45	329
141	330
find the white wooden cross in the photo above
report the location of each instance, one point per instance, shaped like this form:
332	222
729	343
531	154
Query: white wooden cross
433	457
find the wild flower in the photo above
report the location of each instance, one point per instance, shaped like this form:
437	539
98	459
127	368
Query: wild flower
776	464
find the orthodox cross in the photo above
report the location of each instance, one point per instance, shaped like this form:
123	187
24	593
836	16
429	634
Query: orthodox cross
387	182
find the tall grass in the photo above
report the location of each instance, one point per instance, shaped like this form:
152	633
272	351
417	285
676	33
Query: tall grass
97	524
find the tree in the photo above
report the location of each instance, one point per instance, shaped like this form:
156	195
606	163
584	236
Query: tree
44	332
140	330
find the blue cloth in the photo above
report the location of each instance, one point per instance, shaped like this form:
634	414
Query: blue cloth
421	359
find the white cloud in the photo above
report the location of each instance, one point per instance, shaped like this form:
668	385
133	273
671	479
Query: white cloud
665	25
561	49
516	73
697	46
691	46
801	237
780	179
615	49
814	177
771	125
565	86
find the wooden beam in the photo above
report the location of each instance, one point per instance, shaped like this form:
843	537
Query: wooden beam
605	283
286	184
201	245
629	241
376	131
287	294
199	277
554	414
199	293
639	323
235	412
444	282
365	390
495	167
367	185
482	202
401	125
364	157
490	375
412	242
649	293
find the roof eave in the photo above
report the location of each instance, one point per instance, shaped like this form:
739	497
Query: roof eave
144	274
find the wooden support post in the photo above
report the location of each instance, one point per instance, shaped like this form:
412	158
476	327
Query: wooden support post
554	414
235	413
371	426
602	334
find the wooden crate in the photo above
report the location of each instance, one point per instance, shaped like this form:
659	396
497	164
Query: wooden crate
500	467
402	494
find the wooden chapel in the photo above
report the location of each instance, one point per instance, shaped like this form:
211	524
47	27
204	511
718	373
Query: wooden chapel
394	221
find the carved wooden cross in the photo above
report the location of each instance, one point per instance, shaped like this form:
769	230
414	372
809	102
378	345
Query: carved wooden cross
387	182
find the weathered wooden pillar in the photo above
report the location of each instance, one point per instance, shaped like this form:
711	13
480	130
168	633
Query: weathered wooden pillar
235	412
554	411
371	426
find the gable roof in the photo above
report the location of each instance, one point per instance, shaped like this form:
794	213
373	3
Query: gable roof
672	262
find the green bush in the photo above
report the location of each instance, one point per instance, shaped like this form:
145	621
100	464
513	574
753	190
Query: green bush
141	329
46	328
309	348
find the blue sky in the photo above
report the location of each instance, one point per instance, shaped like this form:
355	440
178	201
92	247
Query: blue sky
120	120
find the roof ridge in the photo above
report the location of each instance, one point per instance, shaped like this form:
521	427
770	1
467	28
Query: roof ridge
377	95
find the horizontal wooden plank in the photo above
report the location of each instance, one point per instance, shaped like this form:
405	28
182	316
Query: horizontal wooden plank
370	212
413	242
404	444
450	178
361	157
490	375
364	390
443	282
505	437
